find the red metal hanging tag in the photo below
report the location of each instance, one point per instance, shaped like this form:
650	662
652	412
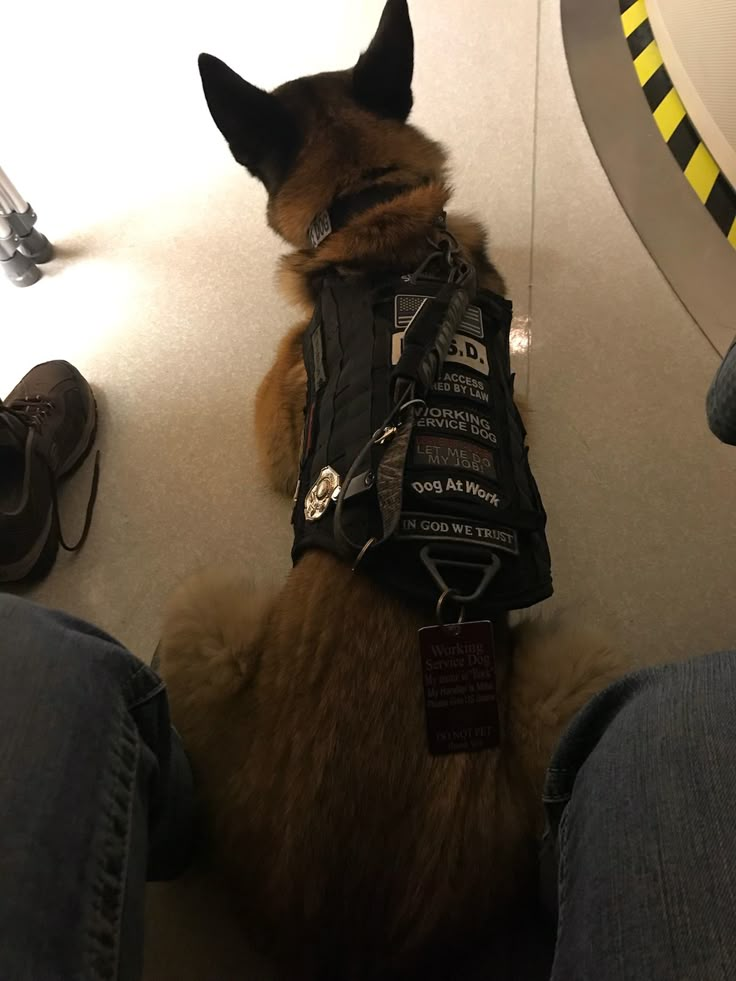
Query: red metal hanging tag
459	673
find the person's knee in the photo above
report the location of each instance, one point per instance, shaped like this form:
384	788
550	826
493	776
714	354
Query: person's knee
11	606
682	696
672	726
51	651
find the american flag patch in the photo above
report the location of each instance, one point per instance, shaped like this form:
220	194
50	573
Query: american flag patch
408	305
472	323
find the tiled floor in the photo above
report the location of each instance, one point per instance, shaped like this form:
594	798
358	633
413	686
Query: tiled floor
164	298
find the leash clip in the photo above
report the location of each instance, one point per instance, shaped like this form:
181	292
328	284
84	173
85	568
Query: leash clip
389	430
383	435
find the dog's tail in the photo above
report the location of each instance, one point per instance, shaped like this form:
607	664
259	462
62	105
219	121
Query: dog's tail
211	638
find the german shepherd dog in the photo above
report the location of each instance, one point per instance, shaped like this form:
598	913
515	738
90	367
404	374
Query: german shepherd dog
353	852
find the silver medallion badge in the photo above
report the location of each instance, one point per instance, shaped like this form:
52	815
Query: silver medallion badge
325	489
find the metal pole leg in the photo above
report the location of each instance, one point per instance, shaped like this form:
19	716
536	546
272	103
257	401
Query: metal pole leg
19	268
22	218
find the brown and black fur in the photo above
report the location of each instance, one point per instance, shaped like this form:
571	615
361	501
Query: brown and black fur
354	853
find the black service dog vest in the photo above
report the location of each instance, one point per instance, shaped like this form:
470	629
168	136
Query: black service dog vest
466	516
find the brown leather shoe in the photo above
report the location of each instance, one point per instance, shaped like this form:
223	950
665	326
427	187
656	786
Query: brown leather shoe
48	424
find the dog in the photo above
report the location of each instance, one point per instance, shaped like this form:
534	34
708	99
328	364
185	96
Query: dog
354	852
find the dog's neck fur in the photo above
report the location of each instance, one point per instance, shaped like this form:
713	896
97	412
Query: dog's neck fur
388	238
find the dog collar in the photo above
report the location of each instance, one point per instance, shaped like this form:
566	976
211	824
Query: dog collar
344	209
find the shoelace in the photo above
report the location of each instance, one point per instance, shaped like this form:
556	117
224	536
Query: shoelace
31	412
88	514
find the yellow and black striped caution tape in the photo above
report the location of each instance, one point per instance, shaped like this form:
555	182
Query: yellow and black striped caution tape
697	164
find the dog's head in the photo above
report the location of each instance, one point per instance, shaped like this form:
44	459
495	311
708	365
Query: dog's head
313	138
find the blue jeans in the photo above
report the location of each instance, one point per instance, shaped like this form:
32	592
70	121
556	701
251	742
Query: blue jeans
720	402
95	796
641	842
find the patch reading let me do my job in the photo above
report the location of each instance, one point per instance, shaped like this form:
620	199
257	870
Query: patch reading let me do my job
446	454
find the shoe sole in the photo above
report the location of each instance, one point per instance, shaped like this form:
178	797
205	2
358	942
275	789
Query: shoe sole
39	560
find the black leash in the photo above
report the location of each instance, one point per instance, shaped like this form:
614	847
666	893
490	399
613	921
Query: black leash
424	352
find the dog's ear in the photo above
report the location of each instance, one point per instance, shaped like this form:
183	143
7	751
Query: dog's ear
261	132
382	76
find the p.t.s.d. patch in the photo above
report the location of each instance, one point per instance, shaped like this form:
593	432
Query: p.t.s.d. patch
467	347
